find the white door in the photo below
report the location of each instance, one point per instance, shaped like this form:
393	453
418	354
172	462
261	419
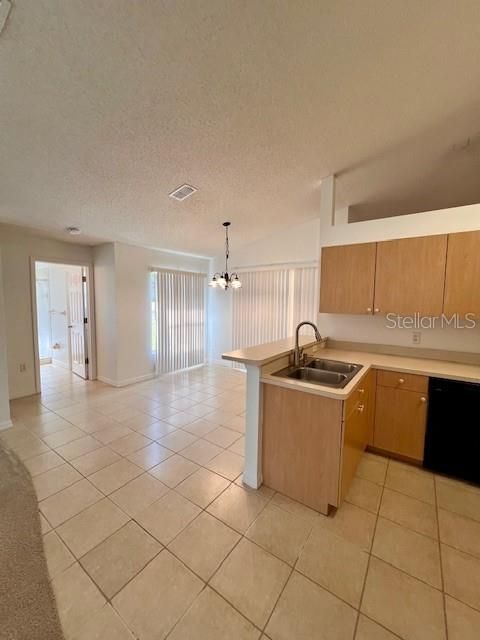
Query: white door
77	325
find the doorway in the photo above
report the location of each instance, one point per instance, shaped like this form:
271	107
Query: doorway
62	314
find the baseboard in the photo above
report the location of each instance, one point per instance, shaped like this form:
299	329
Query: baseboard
45	361
127	382
59	363
6	424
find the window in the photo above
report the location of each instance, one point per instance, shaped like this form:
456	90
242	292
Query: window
179	317
272	302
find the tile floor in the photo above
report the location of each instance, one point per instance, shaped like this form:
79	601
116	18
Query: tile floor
150	534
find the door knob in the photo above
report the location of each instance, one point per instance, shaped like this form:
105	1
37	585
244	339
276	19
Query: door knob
361	391
70	326
369	309
377	310
401	380
423	399
361	407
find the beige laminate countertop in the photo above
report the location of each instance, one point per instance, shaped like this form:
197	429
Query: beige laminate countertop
264	354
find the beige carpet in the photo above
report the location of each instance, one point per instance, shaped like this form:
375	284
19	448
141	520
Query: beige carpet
27	603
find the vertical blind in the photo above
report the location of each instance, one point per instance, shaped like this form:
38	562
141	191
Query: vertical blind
180	320
271	303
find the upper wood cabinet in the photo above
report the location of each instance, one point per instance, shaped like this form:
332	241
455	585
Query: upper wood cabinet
462	285
410	276
347	279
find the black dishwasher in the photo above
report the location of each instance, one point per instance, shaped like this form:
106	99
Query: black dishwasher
452	440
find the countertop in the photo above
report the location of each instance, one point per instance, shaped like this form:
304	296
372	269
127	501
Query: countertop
267	353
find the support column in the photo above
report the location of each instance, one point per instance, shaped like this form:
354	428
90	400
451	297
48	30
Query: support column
252	475
5	420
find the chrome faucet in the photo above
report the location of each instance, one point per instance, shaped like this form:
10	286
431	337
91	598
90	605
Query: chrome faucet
297	354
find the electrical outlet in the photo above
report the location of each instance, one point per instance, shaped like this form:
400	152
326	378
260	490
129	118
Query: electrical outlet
23	367
416	337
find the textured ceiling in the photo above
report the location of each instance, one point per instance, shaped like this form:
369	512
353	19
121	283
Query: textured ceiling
106	107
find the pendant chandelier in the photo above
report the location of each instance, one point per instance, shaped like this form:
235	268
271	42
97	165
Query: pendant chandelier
225	280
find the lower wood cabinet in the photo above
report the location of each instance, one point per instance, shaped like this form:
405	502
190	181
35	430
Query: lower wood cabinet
401	415
311	445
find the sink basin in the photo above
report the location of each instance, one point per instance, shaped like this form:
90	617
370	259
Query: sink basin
329	373
333	365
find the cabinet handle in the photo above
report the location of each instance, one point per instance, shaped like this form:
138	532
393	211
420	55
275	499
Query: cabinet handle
361	391
377	310
360	408
369	309
401	380
423	399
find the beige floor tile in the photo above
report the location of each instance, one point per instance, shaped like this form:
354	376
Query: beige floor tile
251	580
90	527
43	462
373	468
44	524
204	544
222	437
78	447
125	414
53	481
369	630
228	464
157	430
64	436
115	476
306	611
120	557
279	532
138	494
177	440
402	604
150	456
409	512
104	625
411	481
463	623
149	605
458	498
237	508
292	506
238	447
114	432
140	422
50	427
408	550
459	532
461	575
211	618
180	419
364	494
162	411
57	555
77	598
334	563
67	503
129	444
202	487
174	470
201	451
352	523
200	428
95	460
29	448
168	516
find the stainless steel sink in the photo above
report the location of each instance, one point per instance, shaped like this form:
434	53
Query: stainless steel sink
325	372
333	365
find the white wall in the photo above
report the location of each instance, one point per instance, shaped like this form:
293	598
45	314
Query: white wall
373	329
4	394
18	247
123	311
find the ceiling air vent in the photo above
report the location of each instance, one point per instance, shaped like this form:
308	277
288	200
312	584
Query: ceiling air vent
183	192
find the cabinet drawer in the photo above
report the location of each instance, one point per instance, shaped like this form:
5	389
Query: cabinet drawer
358	395
406	381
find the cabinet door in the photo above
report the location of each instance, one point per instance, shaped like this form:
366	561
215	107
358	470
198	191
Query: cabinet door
462	286
410	276
400	421
301	444
347	279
